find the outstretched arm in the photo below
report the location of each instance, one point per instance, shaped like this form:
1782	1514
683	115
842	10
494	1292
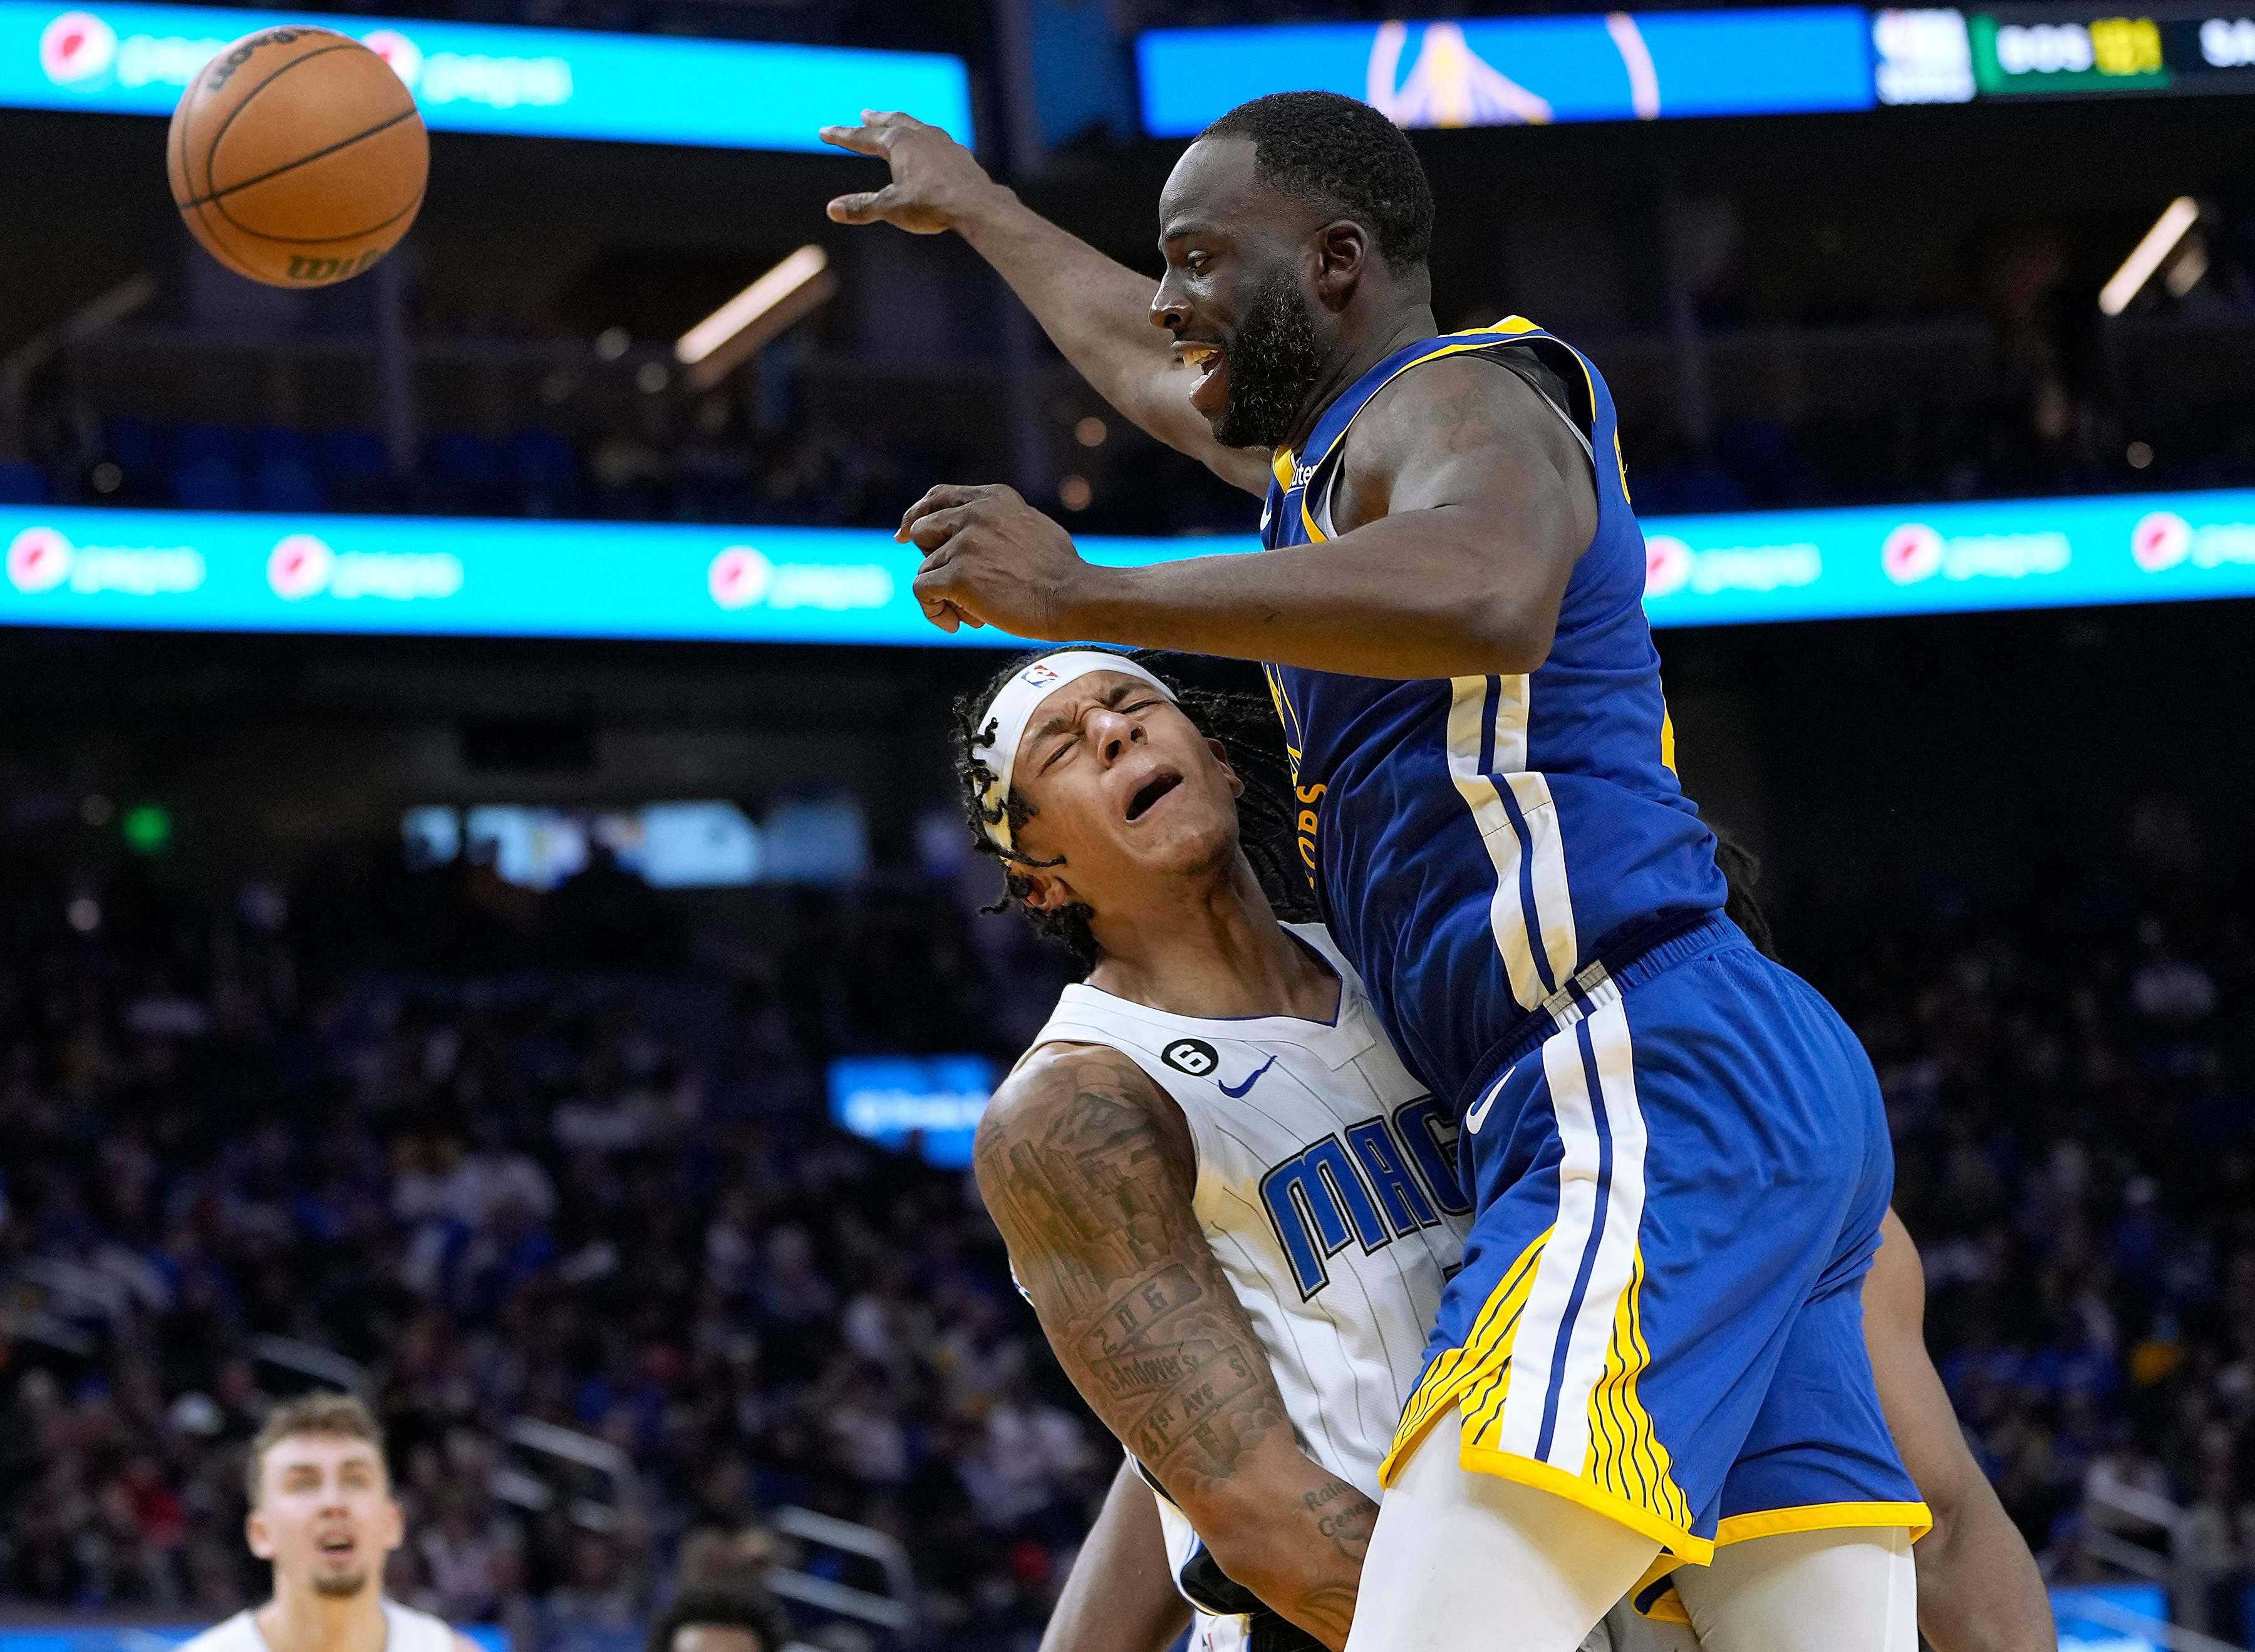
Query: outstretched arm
1463	505
1097	312
1979	1588
1088	1170
1120	1596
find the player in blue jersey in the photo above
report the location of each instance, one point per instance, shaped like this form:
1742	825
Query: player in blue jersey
1652	1362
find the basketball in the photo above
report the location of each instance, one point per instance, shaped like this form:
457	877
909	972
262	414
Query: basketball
296	156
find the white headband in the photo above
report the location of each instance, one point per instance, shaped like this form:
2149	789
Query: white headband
1014	706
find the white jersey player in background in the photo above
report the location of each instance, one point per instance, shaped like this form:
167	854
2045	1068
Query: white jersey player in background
1232	1206
321	1511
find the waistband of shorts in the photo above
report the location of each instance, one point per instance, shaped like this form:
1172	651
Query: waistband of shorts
1600	982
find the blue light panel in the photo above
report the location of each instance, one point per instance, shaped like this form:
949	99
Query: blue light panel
191	570
1523	71
137	59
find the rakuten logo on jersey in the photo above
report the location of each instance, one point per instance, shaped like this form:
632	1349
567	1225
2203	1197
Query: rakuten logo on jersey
77	47
41	559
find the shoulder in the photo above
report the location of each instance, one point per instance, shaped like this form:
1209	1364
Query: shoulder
1077	1098
1466	395
1436	416
416	1631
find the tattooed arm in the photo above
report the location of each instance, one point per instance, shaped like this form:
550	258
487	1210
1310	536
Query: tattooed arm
1088	1170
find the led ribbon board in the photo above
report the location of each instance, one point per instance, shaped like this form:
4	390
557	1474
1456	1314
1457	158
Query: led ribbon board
137	59
1521	71
193	570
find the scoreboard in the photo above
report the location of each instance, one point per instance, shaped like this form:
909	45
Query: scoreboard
1947	56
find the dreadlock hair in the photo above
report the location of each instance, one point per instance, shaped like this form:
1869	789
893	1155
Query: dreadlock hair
1340	155
1242	718
1741	870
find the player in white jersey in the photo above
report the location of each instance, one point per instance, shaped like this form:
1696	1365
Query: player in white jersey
1231	1203
321	1511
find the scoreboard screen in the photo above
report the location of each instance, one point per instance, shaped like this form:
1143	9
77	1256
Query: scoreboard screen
1946	56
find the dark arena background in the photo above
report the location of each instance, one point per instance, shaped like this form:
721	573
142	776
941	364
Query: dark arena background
485	918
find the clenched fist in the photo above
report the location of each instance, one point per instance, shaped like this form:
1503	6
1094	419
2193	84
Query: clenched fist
990	558
935	178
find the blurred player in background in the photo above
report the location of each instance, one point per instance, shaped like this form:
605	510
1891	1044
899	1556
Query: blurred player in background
322	1512
1232	1206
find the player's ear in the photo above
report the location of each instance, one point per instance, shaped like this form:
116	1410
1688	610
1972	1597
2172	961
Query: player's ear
256	1534
1221	760
1342	254
1045	891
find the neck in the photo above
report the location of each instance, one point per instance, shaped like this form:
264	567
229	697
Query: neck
1211	950
298	1620
1356	356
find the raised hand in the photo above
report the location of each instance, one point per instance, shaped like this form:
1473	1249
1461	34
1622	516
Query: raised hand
935	178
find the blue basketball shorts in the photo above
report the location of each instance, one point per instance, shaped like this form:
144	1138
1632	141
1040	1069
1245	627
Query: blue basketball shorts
1678	1179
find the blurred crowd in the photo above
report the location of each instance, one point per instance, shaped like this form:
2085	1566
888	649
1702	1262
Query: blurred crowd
2071	1081
247	1151
835	472
603	1202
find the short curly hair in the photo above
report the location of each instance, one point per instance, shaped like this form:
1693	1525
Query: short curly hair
1342	156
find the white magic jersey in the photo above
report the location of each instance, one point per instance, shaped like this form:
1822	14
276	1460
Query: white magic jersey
404	1630
1326	1183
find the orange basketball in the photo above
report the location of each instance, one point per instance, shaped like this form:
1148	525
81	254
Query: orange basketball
297	157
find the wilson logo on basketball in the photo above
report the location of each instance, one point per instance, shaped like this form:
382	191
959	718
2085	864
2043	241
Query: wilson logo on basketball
328	269
77	47
223	71
39	559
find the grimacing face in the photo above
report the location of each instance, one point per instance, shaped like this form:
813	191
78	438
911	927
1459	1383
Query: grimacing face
1125	790
1235	297
325	1515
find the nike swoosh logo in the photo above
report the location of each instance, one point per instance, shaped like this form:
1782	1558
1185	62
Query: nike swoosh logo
1478	1116
1236	1091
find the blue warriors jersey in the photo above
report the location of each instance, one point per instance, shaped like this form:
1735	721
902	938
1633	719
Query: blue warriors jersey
1477	841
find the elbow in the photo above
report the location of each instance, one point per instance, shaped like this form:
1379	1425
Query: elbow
1506	637
1241	1530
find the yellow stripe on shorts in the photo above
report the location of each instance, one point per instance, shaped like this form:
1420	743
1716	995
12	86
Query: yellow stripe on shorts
1482	1363
1626	1456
